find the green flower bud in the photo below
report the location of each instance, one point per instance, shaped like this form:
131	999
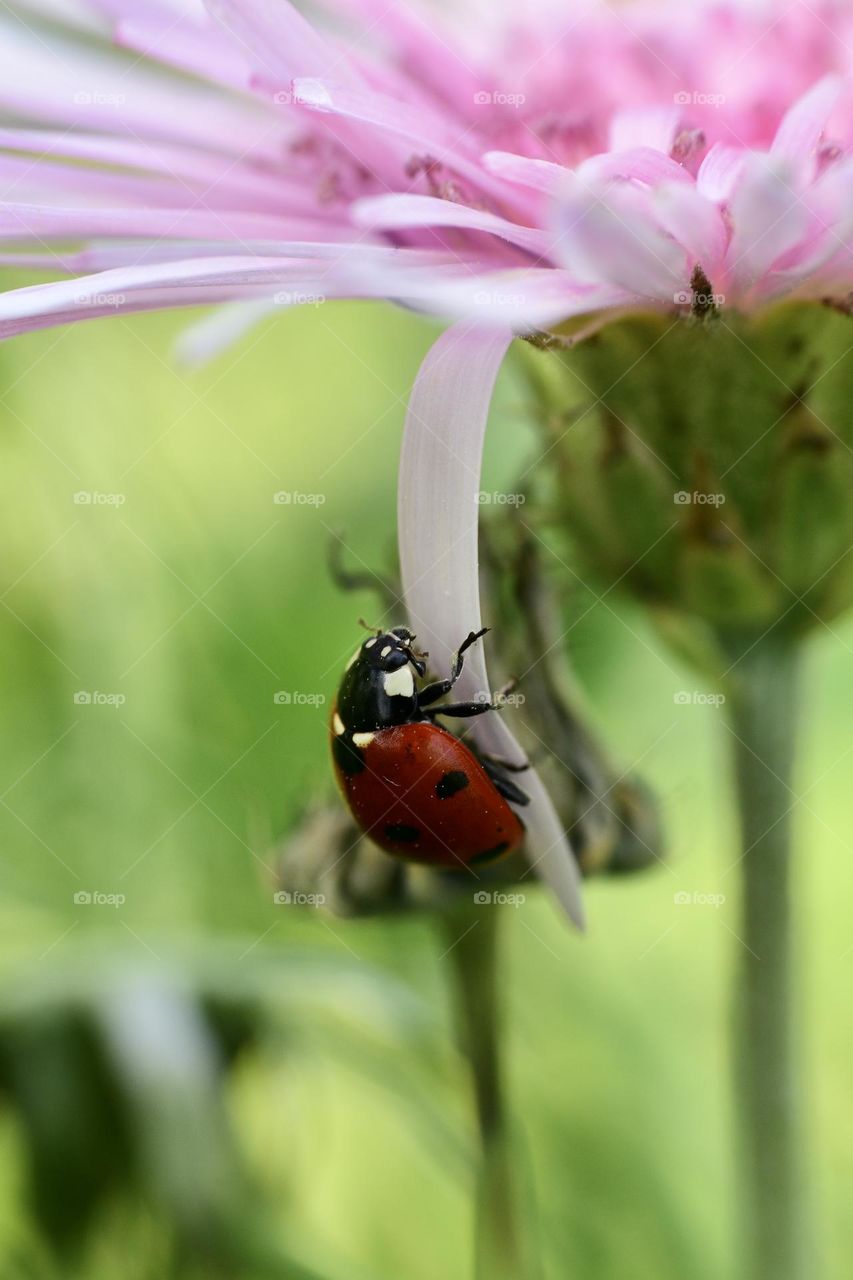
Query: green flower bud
705	463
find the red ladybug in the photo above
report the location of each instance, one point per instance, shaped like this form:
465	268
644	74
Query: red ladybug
414	788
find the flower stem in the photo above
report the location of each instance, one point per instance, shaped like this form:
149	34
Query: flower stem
472	954
764	720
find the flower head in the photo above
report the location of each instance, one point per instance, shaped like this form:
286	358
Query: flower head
519	171
515	173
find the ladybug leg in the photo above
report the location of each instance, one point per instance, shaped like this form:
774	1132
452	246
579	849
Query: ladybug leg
506	765
432	692
502	784
461	709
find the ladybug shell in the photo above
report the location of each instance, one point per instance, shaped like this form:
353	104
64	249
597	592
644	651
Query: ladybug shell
423	795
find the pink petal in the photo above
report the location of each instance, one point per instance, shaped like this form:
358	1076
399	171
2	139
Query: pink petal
189	282
401	211
653	127
641	164
693	221
219	330
798	136
424	131
20	221
185	165
282	44
75	85
768	218
187	46
611	237
720	170
437	527
539	175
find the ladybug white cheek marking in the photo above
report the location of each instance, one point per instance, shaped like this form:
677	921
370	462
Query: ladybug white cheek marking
368	644
338	724
399	683
363	739
385	651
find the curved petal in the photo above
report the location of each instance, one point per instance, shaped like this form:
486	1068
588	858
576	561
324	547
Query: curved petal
799	134
720	170
281	42
769	218
437	529
612	236
442	139
539	175
638	164
403	211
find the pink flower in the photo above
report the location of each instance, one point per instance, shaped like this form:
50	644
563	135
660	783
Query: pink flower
509	171
515	172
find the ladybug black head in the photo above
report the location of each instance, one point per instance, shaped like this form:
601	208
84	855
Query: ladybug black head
390	650
378	687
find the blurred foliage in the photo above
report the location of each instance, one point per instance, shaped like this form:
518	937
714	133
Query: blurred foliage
333	1129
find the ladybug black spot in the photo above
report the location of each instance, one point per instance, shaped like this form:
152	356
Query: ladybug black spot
489	854
402	833
452	781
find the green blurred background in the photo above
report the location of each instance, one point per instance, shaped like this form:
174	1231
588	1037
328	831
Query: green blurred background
342	1129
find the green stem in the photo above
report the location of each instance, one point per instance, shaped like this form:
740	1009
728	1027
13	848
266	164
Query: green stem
472	951
764	721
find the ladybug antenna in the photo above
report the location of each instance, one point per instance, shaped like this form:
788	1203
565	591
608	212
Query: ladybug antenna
368	627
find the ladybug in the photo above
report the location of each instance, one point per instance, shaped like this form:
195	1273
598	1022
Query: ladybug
416	790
